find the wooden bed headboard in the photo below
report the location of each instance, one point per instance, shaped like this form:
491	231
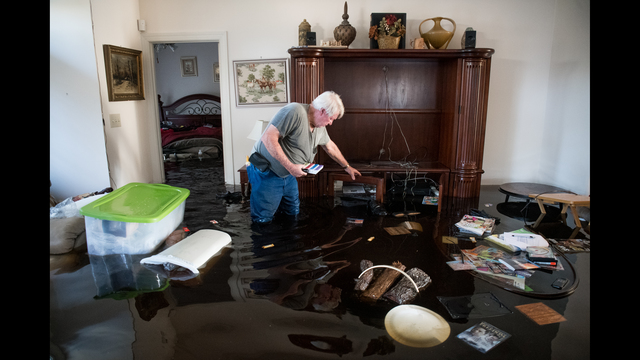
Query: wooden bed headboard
192	110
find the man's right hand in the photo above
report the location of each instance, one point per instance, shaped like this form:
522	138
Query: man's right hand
296	170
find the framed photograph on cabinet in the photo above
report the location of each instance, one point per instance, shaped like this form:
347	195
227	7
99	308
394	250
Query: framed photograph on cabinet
188	66
261	82
124	73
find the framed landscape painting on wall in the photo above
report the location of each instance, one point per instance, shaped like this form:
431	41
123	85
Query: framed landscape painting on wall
124	73
261	82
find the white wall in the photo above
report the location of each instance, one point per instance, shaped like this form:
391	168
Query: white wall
538	97
524	34
565	140
77	157
133	154
170	83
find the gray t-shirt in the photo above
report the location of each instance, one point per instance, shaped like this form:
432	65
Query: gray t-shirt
296	139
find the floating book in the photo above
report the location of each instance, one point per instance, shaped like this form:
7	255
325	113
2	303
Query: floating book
475	225
483	336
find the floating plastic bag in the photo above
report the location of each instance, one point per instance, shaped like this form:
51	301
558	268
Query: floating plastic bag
70	208
66	209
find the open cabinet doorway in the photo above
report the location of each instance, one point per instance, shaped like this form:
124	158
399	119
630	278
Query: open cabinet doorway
189	70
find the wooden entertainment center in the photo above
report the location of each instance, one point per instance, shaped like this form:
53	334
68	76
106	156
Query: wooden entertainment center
439	98
435	99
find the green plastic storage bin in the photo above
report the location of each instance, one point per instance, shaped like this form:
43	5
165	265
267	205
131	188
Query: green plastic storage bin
133	219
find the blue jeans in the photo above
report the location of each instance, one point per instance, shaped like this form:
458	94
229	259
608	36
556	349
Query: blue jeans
270	193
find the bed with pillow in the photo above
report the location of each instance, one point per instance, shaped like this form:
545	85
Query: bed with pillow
192	125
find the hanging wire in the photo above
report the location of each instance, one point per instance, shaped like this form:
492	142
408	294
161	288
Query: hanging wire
410	166
393	119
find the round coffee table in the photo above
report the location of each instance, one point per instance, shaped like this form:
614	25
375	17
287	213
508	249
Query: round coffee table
523	189
529	211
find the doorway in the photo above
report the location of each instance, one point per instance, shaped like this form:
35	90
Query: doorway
208	39
183	70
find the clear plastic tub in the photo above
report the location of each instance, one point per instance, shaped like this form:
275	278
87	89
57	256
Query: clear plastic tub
122	276
133	219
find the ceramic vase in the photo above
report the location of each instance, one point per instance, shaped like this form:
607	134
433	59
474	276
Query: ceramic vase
437	37
345	33
388	42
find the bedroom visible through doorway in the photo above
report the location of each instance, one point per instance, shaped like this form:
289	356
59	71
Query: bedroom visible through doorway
188	90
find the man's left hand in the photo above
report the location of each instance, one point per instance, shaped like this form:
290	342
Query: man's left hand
353	172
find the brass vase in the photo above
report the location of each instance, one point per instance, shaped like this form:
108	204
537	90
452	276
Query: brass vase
303	29
345	33
388	42
437	37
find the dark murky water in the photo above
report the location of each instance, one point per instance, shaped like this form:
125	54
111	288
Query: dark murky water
285	290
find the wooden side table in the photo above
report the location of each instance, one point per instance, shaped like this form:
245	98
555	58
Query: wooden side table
568	201
244	179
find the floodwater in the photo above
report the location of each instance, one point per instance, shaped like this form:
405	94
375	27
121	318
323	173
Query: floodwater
286	290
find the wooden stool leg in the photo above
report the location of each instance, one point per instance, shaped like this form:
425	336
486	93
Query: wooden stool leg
576	219
574	233
543	212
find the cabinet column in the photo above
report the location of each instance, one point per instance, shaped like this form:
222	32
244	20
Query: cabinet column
306	79
465	179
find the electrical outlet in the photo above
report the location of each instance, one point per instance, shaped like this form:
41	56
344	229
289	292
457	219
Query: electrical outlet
115	120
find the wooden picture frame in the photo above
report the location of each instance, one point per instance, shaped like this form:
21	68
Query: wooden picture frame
216	72
124	73
188	66
261	82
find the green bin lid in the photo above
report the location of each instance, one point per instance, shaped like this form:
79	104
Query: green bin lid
137	203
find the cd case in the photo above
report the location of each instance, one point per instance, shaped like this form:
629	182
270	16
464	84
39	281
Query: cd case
312	168
474	306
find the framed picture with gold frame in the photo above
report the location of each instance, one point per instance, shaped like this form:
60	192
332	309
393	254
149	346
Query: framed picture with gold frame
124	73
261	82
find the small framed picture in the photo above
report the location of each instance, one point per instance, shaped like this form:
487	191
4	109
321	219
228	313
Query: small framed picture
124	73
188	66
261	82
216	72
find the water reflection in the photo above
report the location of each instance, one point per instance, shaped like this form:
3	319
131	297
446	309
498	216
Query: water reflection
121	276
290	262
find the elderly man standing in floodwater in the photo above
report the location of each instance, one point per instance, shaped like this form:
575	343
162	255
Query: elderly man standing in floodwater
288	143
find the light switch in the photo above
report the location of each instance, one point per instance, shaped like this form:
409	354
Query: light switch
115	120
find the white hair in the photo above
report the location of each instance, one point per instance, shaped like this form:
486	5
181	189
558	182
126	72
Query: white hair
330	102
